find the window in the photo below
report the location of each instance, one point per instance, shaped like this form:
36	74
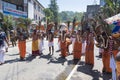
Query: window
39	18
20	8
34	5
38	8
29	0
36	17
9	5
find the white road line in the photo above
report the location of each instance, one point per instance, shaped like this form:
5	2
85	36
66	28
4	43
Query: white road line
74	69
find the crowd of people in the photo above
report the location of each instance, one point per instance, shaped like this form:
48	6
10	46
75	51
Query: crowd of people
82	43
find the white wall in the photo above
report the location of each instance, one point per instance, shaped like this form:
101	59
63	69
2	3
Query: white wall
30	11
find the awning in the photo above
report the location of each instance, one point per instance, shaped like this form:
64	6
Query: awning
113	19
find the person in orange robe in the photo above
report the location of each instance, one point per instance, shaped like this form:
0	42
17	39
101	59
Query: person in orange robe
89	54
63	45
22	45
118	65
106	61
77	48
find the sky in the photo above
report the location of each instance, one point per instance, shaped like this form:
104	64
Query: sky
71	5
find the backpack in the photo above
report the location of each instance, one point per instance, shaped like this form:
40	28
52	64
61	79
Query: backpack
1	39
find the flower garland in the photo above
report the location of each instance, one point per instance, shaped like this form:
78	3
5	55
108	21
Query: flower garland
111	45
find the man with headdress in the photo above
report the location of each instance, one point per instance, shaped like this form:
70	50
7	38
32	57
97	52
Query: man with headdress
77	48
89	54
51	42
83	43
21	43
13	38
63	44
106	54
35	48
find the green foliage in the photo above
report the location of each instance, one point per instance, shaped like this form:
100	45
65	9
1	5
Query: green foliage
113	5
54	8
1	19
7	23
24	22
69	16
48	14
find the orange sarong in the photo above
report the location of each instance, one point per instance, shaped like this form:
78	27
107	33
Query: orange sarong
63	49
118	69
106	61
89	54
22	48
77	48
35	48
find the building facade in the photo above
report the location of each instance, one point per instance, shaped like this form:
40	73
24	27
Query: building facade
92	10
14	8
35	10
22	8
102	3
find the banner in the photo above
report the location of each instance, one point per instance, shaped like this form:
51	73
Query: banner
13	12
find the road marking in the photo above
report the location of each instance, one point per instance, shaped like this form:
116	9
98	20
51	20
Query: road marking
74	69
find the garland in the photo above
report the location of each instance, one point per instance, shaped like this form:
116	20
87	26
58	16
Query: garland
111	46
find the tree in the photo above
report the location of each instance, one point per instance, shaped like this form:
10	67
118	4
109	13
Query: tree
7	23
113	5
24	22
48	14
54	8
74	21
1	19
69	16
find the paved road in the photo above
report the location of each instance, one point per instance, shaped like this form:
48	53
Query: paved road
47	67
87	72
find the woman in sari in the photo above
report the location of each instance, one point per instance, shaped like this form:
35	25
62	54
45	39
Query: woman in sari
35	48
